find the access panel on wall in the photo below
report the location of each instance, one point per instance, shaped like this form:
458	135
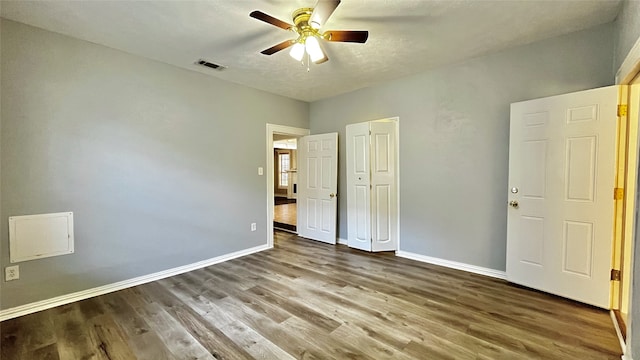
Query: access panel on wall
372	191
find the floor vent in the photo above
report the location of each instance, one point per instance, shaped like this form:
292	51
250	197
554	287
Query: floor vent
210	65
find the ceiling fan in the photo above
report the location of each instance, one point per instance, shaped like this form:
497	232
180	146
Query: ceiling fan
307	24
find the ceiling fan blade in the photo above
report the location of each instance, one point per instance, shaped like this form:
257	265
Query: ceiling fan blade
270	20
274	49
357	36
322	11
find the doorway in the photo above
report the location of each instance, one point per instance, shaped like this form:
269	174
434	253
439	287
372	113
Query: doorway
280	133
285	182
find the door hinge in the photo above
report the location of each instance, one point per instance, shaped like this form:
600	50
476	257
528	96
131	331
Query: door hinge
622	110
618	193
615	275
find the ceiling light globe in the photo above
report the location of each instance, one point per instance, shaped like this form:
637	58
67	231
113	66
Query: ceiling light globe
313	49
297	51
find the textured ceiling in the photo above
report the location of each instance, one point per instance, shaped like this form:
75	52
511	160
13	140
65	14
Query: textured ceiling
405	36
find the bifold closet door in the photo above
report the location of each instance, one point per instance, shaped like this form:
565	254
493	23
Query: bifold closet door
372	193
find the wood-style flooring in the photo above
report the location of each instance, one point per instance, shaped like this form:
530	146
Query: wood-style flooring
285	216
308	300
285	213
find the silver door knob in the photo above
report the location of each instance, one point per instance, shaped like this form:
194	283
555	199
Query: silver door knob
513	203
332	195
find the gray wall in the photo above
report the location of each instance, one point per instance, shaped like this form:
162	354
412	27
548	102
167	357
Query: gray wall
627	30
454	138
137	149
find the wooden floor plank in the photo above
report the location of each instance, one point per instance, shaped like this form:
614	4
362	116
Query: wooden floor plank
73	337
309	300
48	352
283	336
178	339
205	332
107	336
258	346
140	336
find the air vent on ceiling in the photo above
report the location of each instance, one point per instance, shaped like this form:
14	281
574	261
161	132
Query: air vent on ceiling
210	65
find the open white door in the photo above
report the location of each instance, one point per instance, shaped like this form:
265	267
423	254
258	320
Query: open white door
372	194
318	187
561	180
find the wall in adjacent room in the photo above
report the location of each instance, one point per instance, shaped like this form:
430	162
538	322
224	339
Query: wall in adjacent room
138	150
627	30
454	138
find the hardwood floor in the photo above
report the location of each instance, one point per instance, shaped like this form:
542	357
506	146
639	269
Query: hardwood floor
308	300
285	214
285	217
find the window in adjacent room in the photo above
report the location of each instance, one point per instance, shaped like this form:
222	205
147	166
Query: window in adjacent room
283	165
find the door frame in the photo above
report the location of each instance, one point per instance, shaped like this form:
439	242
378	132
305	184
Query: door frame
396	120
273	129
629	69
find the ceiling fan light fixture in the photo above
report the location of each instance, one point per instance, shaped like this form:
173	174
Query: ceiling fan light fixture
313	49
307	23
297	51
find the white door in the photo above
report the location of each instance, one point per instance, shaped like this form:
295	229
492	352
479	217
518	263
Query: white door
384	201
359	187
372	203
318	187
561	180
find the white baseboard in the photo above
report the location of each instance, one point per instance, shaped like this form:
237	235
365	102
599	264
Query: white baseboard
342	241
453	264
14	312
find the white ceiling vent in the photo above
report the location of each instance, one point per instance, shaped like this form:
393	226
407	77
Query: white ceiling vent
210	65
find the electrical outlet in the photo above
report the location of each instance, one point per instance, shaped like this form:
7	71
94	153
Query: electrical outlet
260	170
253	226
12	273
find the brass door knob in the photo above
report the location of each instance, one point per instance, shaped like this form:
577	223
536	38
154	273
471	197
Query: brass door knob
332	195
513	203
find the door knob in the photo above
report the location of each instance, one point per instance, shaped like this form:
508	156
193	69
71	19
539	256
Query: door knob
513	203
332	195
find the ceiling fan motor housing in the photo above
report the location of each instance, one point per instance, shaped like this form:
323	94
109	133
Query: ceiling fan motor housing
302	27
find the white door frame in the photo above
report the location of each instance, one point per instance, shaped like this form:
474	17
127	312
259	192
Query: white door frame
396	120
271	130
628	70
